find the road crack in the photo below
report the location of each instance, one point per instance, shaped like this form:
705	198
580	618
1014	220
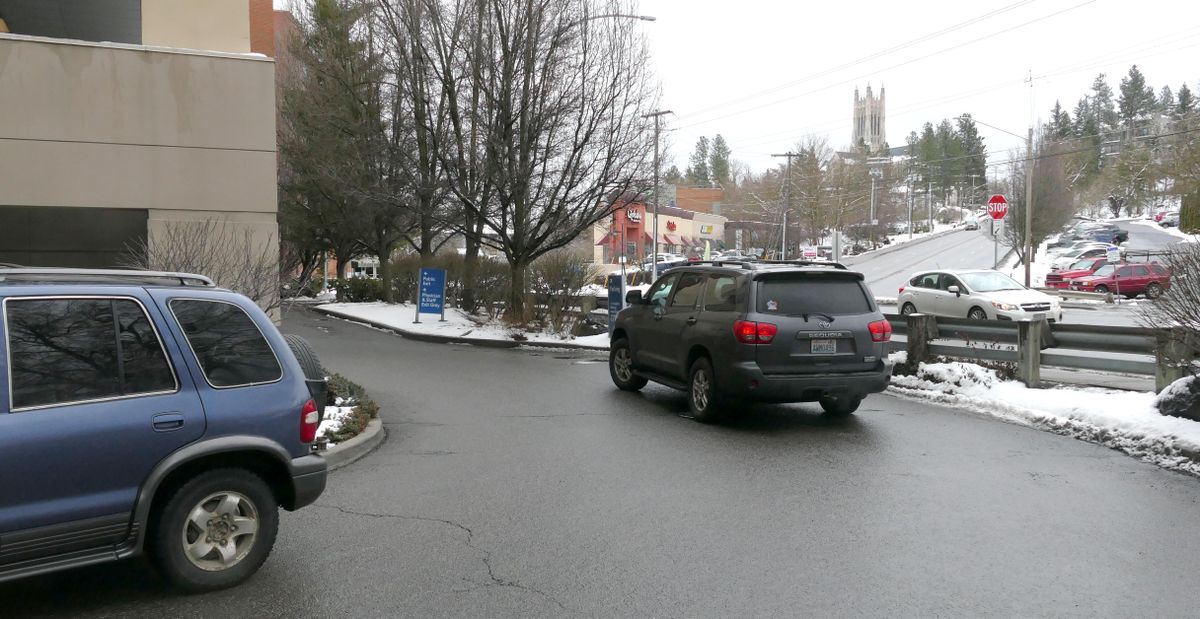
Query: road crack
485	554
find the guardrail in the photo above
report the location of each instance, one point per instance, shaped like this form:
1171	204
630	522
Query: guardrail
1106	297
1030	345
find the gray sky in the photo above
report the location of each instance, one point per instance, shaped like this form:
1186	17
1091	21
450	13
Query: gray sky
711	53
765	73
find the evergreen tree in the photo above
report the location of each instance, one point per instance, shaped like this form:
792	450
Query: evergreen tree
1060	127
949	158
1185	102
673	175
697	172
1102	104
1085	118
972	148
927	153
1136	101
718	161
1166	101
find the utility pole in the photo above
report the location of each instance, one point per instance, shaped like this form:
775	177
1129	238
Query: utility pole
929	203
787	202
1028	202
910	207
657	116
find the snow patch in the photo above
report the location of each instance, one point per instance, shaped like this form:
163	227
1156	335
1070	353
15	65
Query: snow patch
1126	421
334	417
458	324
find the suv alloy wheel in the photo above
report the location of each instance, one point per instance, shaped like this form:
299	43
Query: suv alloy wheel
702	392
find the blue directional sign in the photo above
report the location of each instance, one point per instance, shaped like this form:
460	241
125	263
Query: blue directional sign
431	298
616	299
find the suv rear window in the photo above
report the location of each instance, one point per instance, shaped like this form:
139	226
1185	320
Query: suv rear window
806	295
228	345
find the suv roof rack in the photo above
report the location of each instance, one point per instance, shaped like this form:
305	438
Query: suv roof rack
751	264
109	276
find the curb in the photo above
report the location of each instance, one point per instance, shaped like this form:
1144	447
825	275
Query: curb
350	451
450	339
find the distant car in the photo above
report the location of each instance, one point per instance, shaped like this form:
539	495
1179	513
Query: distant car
980	295
1067	259
1075	249
972	224
1081	268
1128	280
1170	220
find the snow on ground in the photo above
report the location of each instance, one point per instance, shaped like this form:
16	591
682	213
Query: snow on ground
458	324
1037	271
1126	421
902	238
334	417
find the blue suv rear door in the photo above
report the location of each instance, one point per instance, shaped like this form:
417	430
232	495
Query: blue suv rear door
95	396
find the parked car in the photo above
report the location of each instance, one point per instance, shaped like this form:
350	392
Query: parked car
768	332
1081	268
1170	220
1076	248
1066	259
980	295
149	413
1129	280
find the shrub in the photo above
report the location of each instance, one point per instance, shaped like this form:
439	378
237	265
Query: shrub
350	394
556	280
358	290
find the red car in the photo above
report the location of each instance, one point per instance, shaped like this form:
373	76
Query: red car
1082	268
1127	279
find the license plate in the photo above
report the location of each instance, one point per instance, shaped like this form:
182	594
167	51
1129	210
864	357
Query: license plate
1039	316
824	347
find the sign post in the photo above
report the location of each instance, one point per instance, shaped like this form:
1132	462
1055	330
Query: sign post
431	293
997	208
616	299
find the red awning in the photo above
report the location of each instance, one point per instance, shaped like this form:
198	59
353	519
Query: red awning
689	241
646	240
672	239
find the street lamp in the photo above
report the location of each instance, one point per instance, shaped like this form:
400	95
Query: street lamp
609	16
1028	190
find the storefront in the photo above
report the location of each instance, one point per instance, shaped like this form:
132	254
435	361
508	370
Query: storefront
629	234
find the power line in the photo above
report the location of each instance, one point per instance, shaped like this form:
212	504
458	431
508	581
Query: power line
847	65
897	65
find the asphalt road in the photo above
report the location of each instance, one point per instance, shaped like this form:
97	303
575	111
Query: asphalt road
521	484
967	249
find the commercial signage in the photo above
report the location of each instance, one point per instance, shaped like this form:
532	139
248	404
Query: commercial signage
633	215
431	293
671	226
706	229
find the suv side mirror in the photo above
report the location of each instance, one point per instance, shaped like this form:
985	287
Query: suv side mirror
633	297
955	290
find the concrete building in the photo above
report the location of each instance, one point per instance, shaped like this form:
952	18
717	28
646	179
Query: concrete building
121	117
870	120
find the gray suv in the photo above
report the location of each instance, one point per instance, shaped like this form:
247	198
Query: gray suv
755	331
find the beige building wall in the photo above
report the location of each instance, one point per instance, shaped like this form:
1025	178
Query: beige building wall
217	25
183	136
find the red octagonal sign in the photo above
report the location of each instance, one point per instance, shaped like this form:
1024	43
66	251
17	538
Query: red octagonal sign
997	207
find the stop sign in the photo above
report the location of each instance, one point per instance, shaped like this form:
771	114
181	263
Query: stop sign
997	207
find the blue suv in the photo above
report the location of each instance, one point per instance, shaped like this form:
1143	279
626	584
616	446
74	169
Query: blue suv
149	412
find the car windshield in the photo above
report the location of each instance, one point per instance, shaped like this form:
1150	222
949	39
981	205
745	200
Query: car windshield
1105	270
990	282
1082	264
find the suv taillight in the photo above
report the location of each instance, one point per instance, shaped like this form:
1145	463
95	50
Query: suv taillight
310	419
881	331
750	332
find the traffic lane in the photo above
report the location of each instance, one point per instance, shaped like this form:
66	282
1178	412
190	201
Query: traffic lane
961	249
538	489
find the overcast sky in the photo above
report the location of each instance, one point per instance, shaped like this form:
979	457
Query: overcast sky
765	73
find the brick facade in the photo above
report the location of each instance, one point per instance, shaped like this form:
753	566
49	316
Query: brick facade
262	27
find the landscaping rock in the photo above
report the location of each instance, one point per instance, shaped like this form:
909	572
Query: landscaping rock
1181	399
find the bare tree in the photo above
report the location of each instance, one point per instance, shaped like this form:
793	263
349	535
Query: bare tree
552	120
228	253
1053	198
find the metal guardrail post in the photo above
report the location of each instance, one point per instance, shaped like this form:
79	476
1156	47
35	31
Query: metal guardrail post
1171	357
921	329
1029	352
